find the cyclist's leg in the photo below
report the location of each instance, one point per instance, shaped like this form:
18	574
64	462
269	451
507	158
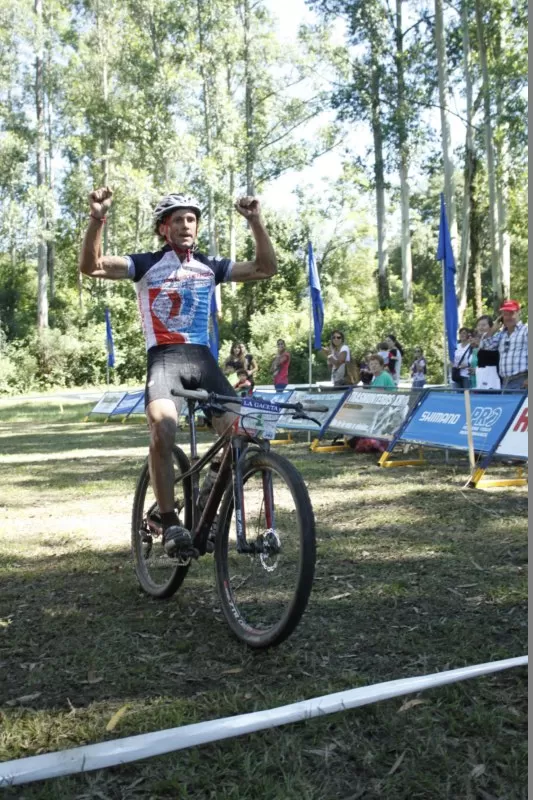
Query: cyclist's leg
162	419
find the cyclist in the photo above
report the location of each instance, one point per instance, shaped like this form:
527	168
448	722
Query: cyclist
174	287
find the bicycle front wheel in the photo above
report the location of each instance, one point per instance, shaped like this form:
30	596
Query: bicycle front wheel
159	575
264	595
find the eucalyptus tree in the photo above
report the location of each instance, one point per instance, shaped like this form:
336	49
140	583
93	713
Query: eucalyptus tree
362	97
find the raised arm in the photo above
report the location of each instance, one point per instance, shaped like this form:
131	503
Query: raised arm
265	264
92	262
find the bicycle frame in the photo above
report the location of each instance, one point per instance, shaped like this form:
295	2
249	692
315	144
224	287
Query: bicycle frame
235	447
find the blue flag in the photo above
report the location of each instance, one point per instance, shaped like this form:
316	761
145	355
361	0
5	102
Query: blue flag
109	340
213	328
316	298
445	254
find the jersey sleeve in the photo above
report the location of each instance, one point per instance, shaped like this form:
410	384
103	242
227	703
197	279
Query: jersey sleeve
221	268
140	263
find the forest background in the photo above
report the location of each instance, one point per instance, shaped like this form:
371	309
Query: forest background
205	97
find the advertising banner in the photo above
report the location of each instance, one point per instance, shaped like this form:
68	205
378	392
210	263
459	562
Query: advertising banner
514	443
271	396
440	420
128	403
107	403
371	413
333	400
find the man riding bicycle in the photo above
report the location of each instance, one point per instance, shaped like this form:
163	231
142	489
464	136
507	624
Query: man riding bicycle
174	288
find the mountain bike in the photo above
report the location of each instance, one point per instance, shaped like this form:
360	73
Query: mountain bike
259	511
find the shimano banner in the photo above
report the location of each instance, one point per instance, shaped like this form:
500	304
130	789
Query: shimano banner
440	420
369	412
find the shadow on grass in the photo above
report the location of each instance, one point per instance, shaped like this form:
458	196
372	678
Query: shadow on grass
410	579
83	612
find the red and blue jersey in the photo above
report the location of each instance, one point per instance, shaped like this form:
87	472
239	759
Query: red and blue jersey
174	296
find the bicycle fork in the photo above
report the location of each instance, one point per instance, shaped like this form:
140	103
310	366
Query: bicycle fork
243	545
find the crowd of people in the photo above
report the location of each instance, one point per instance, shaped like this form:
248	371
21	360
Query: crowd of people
493	355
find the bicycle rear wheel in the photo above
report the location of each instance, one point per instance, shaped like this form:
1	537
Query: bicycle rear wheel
264	596
159	575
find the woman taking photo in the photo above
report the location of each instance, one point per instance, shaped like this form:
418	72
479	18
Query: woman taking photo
338	356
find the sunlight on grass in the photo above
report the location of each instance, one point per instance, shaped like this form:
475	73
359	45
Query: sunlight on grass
403	585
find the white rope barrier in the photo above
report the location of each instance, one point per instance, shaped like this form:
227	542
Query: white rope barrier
133	748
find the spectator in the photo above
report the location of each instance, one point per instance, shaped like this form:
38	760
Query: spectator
512	343
461	361
364	370
280	366
488	357
382	379
418	369
394	363
250	364
338	355
235	361
243	387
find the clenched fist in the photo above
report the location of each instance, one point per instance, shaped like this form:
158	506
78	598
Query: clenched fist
248	207
100	201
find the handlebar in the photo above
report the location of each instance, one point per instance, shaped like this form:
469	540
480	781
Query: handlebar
201	396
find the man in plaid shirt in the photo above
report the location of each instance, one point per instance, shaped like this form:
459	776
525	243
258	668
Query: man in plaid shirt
512	344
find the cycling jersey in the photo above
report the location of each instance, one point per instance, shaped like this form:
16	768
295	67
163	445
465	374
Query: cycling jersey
174	296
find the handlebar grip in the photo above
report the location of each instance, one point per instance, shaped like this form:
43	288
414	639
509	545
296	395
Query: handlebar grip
314	407
200	394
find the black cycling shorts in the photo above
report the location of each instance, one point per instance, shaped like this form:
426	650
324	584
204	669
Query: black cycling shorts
183	366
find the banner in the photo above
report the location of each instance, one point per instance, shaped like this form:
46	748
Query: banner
440	420
333	400
107	403
129	403
370	413
514	444
271	396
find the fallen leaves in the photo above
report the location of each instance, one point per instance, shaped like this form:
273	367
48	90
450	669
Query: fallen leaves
411	704
117	716
24	700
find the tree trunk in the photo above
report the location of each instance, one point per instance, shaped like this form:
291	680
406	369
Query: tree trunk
42	270
469	166
497	288
379	175
449	178
207	130
502	150
248	104
407	264
475	235
50	243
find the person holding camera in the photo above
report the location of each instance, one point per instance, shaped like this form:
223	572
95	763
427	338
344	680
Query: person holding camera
461	361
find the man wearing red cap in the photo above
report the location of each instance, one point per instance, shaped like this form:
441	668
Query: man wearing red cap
512	344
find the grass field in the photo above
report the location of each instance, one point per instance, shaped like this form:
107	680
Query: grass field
414	575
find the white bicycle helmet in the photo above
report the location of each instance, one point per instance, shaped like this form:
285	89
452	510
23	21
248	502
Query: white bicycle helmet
172	201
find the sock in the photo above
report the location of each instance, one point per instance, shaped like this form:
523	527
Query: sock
169	518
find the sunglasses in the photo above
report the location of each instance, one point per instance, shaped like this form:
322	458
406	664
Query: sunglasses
336	337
